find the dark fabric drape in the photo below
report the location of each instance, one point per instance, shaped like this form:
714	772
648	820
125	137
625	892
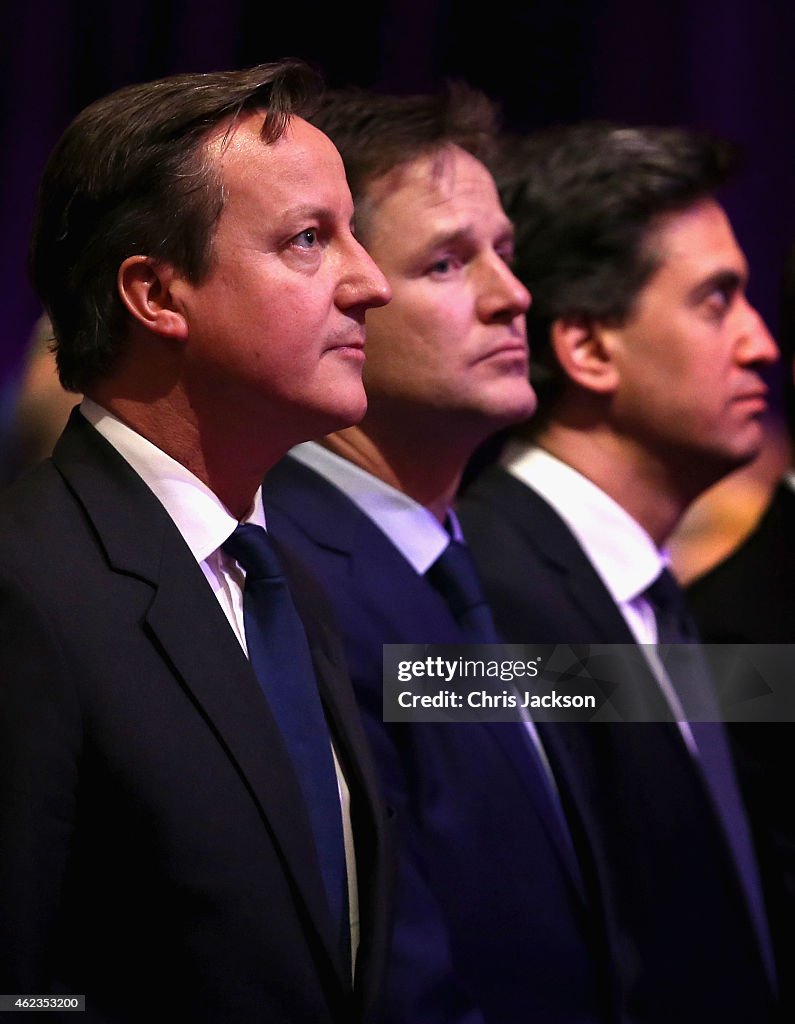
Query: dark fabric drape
725	66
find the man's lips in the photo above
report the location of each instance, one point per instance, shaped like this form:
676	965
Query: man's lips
348	346
513	350
754	400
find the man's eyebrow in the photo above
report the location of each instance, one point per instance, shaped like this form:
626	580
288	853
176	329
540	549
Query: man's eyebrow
308	211
728	281
465	235
453	236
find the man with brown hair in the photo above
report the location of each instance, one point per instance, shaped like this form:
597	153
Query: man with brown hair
185	832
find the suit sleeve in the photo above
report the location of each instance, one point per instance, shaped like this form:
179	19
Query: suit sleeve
39	746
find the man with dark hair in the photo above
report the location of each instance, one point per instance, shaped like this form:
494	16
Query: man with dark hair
649	364
493	921
189	827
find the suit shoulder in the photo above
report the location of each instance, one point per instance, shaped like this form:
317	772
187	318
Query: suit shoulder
35	510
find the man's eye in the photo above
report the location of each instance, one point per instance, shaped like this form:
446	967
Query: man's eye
445	265
718	301
506	254
306	239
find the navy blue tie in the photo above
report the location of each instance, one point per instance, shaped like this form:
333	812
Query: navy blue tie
454	575
688	671
279	654
456	578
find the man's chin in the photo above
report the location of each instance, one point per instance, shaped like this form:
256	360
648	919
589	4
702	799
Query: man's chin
510	413
726	460
336	416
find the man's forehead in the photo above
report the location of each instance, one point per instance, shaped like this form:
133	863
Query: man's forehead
441	174
302	160
704	223
244	135
697	239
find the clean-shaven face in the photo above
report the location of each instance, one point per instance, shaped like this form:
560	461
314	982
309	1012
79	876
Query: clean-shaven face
691	354
277	326
453	338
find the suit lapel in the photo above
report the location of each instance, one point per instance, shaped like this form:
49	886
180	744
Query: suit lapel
544	532
187	625
407	605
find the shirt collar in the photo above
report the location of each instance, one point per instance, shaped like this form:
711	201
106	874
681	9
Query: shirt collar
415	531
199	515
621	551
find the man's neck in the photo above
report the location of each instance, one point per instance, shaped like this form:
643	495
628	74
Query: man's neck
645	488
228	464
430	475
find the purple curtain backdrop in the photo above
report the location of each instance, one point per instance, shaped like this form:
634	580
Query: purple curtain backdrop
725	66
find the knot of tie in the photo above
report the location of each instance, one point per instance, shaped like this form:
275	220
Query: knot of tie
674	623
251	547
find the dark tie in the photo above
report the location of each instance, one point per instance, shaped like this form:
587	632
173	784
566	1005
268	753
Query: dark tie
688	671
279	654
454	575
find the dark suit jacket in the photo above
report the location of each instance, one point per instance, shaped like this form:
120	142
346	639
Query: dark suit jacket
492	899
687	952
750	599
155	854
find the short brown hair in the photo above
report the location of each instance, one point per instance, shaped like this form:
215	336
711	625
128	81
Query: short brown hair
129	176
375	133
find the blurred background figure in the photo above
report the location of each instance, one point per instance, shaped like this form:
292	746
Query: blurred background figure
723	517
42	405
749	598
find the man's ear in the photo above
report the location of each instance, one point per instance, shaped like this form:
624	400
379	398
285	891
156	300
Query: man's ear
584	350
145	289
